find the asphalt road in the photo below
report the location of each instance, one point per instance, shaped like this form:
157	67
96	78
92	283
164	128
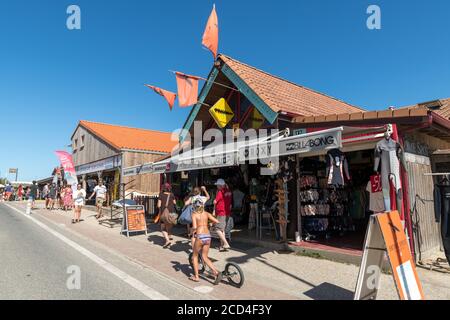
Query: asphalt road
34	264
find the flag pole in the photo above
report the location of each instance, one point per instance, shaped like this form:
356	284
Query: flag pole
219	84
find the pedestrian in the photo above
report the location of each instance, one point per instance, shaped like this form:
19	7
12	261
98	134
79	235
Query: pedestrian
20	193
196	195
52	195
8	192
100	191
222	204
68	198
166	205
45	193
34	190
79	199
200	229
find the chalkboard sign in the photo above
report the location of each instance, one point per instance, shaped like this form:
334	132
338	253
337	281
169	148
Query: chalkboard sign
134	220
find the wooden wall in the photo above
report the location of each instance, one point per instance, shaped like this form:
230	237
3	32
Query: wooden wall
94	148
427	235
146	183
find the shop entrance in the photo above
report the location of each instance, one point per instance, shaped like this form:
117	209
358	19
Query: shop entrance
335	213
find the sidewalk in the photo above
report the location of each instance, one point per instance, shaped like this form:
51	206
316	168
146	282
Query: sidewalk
269	274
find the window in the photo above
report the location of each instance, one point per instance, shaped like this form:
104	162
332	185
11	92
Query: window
82	140
75	145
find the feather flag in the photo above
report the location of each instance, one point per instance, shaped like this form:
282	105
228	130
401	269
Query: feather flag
211	35
187	89
169	96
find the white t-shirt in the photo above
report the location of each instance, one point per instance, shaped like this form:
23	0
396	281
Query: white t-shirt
79	196
376	200
203	199
100	191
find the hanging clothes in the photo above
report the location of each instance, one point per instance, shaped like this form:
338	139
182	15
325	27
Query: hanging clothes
388	152
376	200
337	166
442	207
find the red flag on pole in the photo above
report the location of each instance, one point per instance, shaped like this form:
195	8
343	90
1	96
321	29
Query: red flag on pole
211	35
187	89
169	96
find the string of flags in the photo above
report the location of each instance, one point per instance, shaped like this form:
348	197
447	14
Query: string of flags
188	84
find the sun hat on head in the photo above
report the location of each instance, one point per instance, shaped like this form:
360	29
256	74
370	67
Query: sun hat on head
220	182
198	203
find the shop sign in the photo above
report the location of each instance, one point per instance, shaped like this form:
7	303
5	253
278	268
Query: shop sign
298	132
102	165
256	119
385	234
208	160
221	113
317	141
134	220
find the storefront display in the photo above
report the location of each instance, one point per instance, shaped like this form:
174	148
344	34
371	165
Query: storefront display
442	204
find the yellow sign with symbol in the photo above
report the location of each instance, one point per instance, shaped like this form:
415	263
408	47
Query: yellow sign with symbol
256	119
221	113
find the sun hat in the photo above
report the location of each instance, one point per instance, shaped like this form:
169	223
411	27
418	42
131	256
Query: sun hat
220	182
198	203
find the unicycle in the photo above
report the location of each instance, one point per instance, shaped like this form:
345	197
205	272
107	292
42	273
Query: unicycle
232	272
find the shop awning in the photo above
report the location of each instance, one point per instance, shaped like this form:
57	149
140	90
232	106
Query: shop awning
233	154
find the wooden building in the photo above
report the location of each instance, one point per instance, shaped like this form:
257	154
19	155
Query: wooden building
99	151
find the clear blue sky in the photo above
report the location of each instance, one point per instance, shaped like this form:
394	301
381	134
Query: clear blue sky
51	77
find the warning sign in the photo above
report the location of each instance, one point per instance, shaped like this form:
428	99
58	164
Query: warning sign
386	239
222	113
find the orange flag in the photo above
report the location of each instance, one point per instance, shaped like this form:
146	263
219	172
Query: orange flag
187	89
211	35
169	96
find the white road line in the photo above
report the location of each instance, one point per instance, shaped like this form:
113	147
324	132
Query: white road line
135	283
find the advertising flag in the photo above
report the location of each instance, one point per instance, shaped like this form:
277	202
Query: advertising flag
169	96
69	169
211	35
187	89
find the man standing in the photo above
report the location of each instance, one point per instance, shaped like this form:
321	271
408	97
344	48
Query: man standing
8	192
45	195
100	197
33	194
223	204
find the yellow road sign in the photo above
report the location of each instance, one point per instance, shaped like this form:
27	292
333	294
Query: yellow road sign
221	113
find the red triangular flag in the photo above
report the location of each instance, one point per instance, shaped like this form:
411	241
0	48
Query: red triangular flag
211	35
187	89
169	96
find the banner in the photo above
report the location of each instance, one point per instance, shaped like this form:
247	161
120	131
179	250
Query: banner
69	169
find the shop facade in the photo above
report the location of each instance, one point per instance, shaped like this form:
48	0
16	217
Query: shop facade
320	196
101	150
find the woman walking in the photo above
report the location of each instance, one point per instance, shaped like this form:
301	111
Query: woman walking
166	205
79	199
200	228
68	198
196	195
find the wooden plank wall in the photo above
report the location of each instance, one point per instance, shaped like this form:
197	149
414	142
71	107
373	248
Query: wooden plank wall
146	183
94	148
427	231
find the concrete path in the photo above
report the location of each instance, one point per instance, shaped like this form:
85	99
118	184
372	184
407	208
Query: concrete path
269	274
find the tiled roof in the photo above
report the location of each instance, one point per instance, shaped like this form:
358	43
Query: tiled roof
443	111
131	138
284	96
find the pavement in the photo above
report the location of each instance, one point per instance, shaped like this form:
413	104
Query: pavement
27	249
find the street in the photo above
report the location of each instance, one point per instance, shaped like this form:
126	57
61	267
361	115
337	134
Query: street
37	251
34	265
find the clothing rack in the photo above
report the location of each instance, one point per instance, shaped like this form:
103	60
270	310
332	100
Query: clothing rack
437	174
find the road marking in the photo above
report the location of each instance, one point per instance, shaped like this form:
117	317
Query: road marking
135	283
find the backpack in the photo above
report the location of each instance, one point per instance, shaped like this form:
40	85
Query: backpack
186	215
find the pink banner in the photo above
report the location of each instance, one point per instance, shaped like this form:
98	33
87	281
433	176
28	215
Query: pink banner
69	169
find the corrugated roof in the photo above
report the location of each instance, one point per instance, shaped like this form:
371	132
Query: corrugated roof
121	137
282	95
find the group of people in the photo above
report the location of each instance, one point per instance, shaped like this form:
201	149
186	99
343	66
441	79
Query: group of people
202	222
66	198
29	193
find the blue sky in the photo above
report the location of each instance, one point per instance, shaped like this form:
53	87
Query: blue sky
51	77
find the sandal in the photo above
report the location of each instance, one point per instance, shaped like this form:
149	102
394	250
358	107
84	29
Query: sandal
219	278
167	245
73	221
192	278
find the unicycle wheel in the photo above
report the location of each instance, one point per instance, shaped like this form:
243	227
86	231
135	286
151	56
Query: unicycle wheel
234	274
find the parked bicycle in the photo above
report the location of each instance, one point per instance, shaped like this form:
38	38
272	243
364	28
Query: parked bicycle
232	271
